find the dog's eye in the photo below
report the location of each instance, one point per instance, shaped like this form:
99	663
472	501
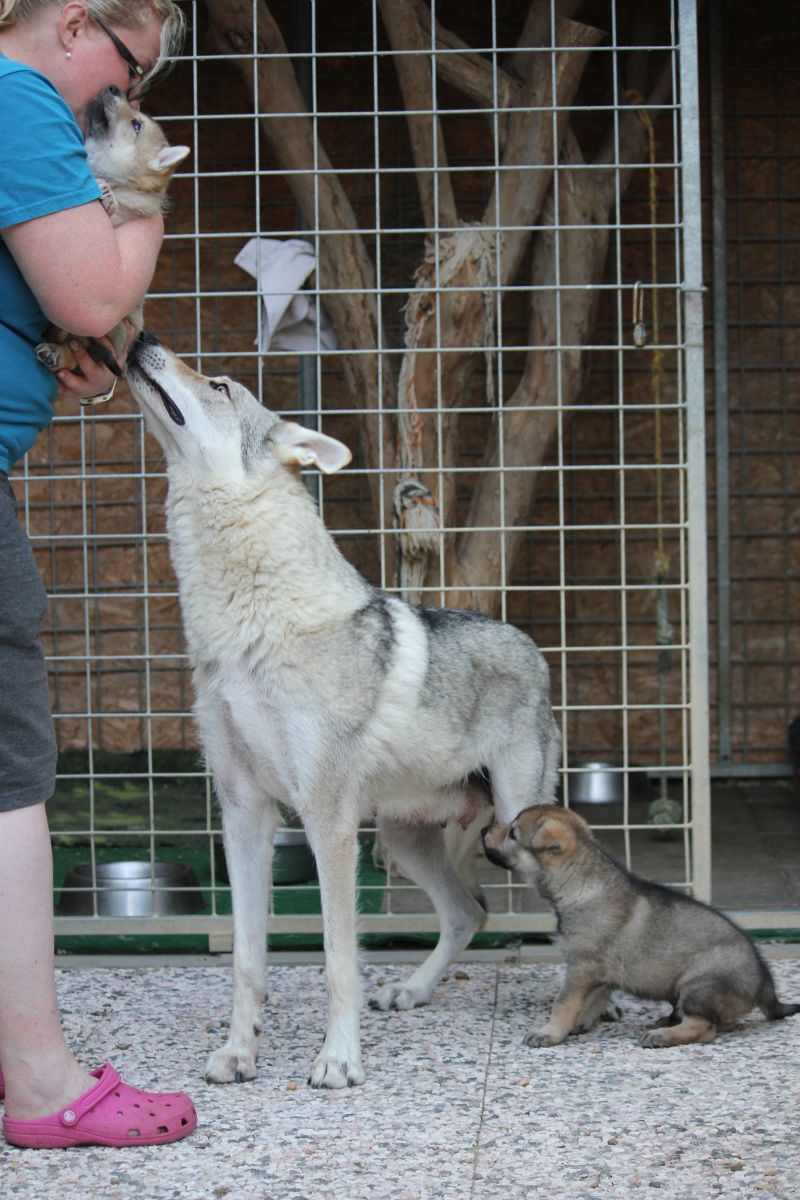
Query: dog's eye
512	835
220	387
136	126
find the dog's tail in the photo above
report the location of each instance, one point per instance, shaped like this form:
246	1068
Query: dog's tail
772	1008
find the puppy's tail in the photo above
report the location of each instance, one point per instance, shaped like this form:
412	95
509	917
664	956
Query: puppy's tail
772	1008
783	1010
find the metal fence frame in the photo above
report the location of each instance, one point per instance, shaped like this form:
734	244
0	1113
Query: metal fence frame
691	640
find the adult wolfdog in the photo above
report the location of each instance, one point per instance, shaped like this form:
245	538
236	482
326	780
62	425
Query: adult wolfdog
318	691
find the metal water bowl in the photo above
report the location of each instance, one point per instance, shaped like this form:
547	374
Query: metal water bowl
604	783
293	861
131	889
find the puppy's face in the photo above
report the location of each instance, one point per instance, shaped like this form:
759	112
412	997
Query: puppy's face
538	839
127	148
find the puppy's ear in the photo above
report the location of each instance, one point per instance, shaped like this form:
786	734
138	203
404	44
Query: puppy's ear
168	158
296	446
552	836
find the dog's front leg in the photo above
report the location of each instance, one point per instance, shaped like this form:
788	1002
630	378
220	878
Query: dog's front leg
248	823
335	845
565	1012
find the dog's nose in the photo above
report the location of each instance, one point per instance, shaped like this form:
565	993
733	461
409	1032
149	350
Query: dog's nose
484	832
114	90
147	339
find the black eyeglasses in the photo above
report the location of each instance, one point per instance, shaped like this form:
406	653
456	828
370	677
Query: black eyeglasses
135	69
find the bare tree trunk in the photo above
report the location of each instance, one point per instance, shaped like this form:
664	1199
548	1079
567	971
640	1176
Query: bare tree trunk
424	127
450	315
586	198
344	265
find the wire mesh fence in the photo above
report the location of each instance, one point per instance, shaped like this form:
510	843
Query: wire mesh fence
472	249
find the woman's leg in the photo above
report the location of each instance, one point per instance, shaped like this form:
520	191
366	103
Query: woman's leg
40	1072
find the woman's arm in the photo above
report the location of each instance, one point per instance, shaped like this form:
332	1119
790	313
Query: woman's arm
86	274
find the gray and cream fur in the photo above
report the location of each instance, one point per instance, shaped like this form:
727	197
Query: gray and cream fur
133	164
317	691
621	931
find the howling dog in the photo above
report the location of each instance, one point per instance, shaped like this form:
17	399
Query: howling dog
620	931
133	165
315	690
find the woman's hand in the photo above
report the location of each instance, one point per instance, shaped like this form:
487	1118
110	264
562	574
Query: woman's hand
95	382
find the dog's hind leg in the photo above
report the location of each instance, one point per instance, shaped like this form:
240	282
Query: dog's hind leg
525	770
248	823
419	851
687	1030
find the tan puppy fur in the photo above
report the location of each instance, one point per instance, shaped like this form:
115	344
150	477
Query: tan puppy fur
620	931
133	164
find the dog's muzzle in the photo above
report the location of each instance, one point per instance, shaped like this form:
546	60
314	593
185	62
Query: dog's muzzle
143	344
494	856
99	111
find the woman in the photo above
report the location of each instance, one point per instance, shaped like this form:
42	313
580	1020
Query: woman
61	262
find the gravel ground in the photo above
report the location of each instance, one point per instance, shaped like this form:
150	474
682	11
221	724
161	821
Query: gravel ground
455	1107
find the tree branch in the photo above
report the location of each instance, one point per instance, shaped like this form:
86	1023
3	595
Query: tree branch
414	71
586	201
344	265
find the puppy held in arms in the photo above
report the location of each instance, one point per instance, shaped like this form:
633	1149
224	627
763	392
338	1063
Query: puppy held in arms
620	931
133	164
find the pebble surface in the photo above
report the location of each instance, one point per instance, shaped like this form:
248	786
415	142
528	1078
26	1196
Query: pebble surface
455	1107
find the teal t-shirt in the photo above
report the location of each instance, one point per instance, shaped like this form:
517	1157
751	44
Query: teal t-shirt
43	169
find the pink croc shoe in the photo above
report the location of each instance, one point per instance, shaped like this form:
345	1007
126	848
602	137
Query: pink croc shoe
110	1114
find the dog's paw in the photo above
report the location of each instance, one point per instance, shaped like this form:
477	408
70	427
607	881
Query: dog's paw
330	1072
107	197
229	1065
656	1039
542	1037
50	355
612	1012
398	997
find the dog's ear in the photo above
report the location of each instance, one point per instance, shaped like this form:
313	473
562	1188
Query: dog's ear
551	836
296	446
168	158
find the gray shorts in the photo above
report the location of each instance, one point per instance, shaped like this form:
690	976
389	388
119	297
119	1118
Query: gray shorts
27	744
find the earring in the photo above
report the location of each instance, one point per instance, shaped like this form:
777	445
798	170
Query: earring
68	52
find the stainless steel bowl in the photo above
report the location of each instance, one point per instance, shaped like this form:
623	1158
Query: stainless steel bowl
293	861
130	889
603	783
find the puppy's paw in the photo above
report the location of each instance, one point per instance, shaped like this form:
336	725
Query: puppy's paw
52	356
230	1065
107	197
398	997
331	1072
543	1037
612	1012
656	1039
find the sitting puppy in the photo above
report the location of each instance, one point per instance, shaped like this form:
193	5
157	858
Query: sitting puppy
133	165
625	932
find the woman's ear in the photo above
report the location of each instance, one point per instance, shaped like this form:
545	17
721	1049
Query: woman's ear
73	17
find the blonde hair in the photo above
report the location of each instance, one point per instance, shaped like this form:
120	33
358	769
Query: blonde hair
130	14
